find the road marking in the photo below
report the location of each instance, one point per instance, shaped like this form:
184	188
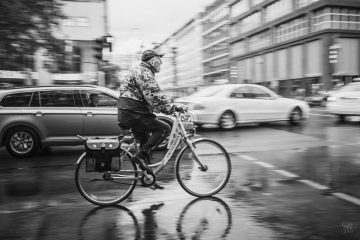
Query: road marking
247	157
286	173
324	115
264	164
314	184
318	110
347	198
310	183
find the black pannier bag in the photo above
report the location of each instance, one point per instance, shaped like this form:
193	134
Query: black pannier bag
102	155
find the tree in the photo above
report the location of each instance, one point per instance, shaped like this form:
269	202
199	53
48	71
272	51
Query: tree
25	27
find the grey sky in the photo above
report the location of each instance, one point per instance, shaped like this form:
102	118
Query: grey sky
133	22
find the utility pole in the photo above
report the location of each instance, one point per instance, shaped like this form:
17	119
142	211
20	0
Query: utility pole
174	53
106	25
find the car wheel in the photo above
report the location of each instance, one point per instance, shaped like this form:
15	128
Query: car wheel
227	120
164	143
296	116
22	142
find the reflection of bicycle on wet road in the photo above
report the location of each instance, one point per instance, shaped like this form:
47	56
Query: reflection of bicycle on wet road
205	218
107	172
202	218
112	222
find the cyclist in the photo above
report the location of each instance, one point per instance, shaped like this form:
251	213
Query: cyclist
140	96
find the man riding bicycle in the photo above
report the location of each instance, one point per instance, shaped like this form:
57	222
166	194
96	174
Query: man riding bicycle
140	96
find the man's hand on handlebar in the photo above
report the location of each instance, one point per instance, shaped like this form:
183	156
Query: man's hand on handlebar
180	108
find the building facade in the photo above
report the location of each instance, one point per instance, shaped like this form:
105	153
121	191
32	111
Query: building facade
295	46
182	68
85	21
215	46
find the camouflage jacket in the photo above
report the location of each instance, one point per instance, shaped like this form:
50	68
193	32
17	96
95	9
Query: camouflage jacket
140	93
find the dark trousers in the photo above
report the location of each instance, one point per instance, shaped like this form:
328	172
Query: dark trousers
148	130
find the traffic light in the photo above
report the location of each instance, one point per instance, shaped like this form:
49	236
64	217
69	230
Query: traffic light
98	48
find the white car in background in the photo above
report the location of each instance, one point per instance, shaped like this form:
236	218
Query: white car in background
231	104
345	101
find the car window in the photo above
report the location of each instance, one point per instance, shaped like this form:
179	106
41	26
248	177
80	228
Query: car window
97	99
259	93
35	100
208	91
242	92
351	87
16	100
58	99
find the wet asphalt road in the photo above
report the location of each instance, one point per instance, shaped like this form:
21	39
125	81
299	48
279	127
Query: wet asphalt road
286	183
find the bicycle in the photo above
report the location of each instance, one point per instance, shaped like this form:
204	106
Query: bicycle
107	172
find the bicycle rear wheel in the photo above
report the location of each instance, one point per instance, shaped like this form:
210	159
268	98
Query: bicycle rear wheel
109	187
203	182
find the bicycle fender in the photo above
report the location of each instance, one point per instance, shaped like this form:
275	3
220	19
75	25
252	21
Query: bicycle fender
79	159
183	149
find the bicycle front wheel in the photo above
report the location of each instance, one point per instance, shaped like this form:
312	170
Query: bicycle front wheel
207	181
107	187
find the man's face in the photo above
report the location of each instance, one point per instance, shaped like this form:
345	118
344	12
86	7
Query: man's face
156	63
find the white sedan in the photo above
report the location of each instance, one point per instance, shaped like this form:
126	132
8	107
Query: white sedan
231	104
345	101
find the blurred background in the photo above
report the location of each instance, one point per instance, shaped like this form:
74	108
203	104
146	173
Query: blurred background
297	48
295	180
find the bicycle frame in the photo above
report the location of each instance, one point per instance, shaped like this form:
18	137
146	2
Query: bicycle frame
178	134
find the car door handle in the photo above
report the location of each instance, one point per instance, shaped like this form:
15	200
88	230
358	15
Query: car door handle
38	114
89	114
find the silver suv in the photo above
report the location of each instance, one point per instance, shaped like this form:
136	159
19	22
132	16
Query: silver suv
32	118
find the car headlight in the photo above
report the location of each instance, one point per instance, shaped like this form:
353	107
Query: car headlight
198	106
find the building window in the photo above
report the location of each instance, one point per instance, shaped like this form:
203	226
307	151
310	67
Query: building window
277	10
250	22
76	22
76	59
257	2
218	16
235	29
292	29
238	48
336	18
217	34
260	40
239	8
303	3
217	49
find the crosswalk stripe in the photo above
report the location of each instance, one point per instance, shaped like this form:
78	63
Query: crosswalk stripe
247	157
314	184
264	164
286	173
347	198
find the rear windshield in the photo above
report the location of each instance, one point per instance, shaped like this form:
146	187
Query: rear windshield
351	87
